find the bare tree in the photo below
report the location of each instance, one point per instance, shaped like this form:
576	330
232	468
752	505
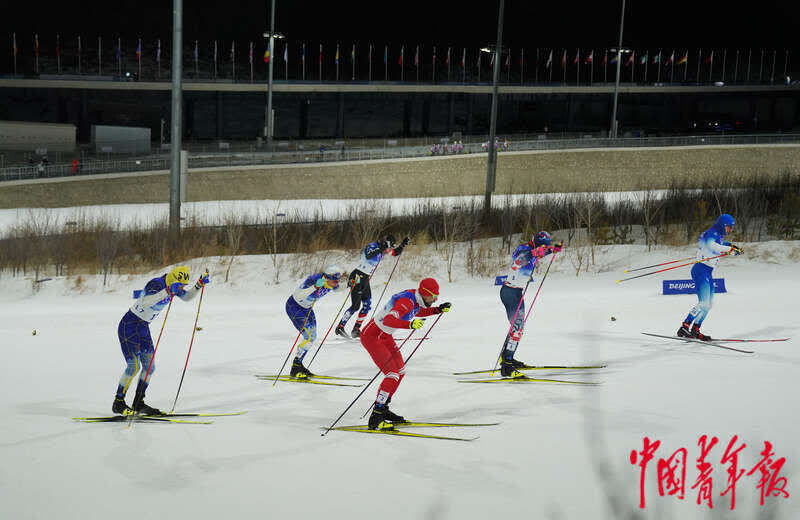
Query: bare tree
234	229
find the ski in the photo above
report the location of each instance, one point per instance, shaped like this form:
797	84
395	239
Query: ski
534	367
712	343
306	380
412	424
753	340
139	418
315	376
401	433
112	418
526	379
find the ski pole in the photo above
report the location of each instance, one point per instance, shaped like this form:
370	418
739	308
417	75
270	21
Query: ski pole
380	372
656	265
295	340
494	367
674	267
191	342
385	286
346	297
155	349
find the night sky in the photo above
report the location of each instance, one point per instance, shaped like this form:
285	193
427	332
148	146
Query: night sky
648	23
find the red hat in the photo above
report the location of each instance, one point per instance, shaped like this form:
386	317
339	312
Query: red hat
429	287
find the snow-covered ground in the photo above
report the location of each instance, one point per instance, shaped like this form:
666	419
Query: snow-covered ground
560	451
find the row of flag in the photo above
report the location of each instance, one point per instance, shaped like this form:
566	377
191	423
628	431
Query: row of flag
675	57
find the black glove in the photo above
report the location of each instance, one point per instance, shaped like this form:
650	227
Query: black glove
444	307
404	243
736	250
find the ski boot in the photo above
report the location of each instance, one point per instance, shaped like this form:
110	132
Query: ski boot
684	331
340	331
508	368
299	371
696	334
141	408
383	419
356	331
120	407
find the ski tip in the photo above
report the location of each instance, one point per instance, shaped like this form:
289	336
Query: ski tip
619	281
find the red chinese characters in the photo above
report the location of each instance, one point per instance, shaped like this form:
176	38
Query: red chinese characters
671	471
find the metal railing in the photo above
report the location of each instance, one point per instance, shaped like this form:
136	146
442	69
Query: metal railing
544	142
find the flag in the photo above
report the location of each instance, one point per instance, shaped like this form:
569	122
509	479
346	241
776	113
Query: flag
710	58
79	48
613	58
337	54
215	53
15	45
119	50
508	59
447	59
58	46
286	53
589	58
643	59
353	54
629	61
158	52
577	57
657	58
416	57
491	60
564	59
266	55
385	54
139	51
36	45
320	54
434	55
605	59
671	59
233	52
684	59
400	59
195	52
251	53
464	58
303	56
549	60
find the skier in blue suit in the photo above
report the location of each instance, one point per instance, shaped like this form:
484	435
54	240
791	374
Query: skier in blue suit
298	308
135	339
710	244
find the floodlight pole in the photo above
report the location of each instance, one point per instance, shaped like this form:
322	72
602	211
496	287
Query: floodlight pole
268	130
176	123
613	132
491	164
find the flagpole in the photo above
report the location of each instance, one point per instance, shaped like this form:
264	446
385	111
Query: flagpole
139	59
433	63
536	68
58	54
251	62
761	68
369	73
79	55
402	49
522	66
385	62
711	66
233	60
749	57
159	58
699	59
724	61
304	62
99	56
686	65
196	66
785	62
658	75
564	66
320	63
337	62
578	63
36	48
14	36
119	56
286	60
479	66
416	62
646	64
736	67
774	57
353	62
633	66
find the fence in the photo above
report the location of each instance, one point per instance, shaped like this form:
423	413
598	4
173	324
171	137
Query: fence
208	159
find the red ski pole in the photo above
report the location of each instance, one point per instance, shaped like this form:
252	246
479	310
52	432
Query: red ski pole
191	342
299	332
656	265
674	267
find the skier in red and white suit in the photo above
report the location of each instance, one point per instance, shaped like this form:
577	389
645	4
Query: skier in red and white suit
399	313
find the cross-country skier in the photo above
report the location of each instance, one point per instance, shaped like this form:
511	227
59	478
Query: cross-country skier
298	308
134	334
361	295
399	313
523	261
710	244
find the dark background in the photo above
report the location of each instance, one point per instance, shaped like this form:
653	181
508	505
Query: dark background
677	23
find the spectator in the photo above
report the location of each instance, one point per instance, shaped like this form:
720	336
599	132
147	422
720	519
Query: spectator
74	166
40	168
